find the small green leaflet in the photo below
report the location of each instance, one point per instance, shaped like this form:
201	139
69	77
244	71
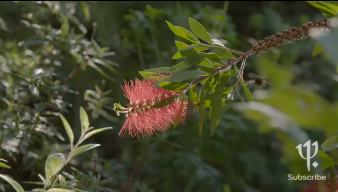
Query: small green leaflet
317	49
246	90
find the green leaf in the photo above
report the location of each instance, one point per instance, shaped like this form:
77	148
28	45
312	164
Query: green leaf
43	179
54	164
68	130
181	65
199	30
224	54
192	93
12	182
64	27
58	190
323	8
95	132
180	76
317	49
84	120
98	69
337	67
4	166
215	41
83	149
216	109
146	74
179	45
330	144
226	188
246	90
180	33
326	161
173	86
330	44
86	10
201	101
196	47
211	56
162	70
188	33
41	106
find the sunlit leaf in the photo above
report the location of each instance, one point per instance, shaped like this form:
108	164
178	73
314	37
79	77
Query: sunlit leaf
199	30
4	166
180	76
317	49
180	33
246	90
89	134
330	144
188	33
12	182
84	120
68	130
58	190
54	164
83	149
192	93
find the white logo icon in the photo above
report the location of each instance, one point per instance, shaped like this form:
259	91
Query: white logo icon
308	153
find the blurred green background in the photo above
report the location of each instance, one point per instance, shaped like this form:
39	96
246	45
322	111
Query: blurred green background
58	56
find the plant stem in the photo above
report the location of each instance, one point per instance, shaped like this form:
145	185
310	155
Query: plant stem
153	36
139	52
219	69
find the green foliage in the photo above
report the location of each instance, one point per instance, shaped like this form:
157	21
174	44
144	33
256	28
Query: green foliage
55	59
56	162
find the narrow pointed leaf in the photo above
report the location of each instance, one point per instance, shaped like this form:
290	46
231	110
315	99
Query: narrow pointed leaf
68	130
42	178
58	190
201	100
179	33
83	149
188	33
12	182
192	94
198	29
216	109
95	132
4	166
84	120
246	90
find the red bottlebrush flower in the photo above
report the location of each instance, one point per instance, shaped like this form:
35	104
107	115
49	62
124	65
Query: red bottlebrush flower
313	186
142	118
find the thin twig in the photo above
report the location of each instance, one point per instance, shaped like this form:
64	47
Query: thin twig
219	69
240	75
135	171
94	31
